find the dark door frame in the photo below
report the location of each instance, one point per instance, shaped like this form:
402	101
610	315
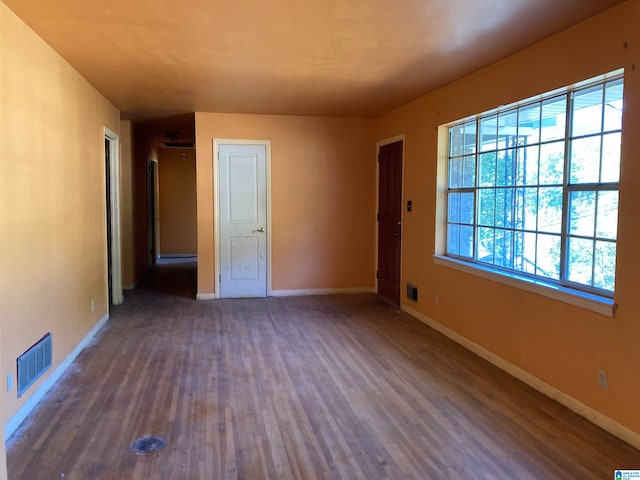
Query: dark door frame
381	143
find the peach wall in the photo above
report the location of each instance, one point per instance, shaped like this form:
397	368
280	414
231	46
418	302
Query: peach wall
126	202
558	343
177	199
322	194
52	201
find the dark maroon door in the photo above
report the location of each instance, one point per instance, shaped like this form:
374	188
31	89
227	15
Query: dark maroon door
389	221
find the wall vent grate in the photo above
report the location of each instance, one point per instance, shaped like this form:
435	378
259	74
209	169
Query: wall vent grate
33	363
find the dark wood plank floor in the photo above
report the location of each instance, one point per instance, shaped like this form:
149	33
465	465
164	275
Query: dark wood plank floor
329	387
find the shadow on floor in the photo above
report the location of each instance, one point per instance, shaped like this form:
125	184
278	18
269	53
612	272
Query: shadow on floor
175	277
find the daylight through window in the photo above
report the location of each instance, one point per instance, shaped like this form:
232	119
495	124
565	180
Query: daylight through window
533	189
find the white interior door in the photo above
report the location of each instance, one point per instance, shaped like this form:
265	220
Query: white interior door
243	221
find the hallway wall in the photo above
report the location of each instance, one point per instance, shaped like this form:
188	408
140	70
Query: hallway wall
177	199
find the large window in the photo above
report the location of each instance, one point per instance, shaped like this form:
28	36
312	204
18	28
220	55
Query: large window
533	188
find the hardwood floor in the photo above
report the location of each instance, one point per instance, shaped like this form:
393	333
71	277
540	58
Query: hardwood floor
295	388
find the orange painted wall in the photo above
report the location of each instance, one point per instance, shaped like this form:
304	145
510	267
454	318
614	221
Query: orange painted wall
52	201
558	343
177	192
322	192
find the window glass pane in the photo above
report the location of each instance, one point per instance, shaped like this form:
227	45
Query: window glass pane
529	124
486	206
551	163
466	207
604	274
587	111
456	140
554	114
469	171
585	160
470	138
466	241
582	213
485	245
488	133
454	207
607	224
487	169
613	106
548	256
455	172
526	214
508	129
453	235
505	207
504	248
505	170
550	209
579	260
529	252
610	158
518	251
527	166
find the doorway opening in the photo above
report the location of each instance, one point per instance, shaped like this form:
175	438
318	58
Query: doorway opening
152	213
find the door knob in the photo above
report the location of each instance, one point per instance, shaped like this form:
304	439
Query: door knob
261	230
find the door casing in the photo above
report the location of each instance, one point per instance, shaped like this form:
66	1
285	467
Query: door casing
217	142
117	296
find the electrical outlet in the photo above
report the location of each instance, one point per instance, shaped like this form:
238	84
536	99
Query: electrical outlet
436	301
9	382
93	305
603	383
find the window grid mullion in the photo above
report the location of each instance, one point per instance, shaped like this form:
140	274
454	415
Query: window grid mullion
564	239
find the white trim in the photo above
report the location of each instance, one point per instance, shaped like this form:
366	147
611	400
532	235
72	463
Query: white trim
14	422
206	296
602	421
117	296
601	305
398	138
217	142
320	291
177	255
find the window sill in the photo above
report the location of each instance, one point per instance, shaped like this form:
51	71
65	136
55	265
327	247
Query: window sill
595	303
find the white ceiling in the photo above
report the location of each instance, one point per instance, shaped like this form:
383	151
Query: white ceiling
154	58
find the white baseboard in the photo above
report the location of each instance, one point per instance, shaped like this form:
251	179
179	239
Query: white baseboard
206	296
177	255
14	422
604	422
320	291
